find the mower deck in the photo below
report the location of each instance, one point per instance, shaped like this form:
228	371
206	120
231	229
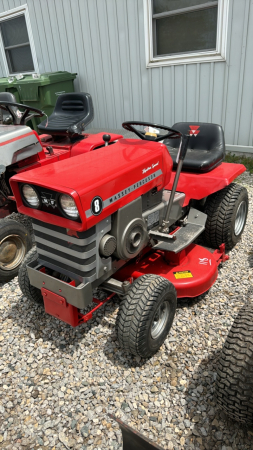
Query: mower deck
192	271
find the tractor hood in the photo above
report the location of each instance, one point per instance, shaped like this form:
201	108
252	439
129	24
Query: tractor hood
17	142
115	175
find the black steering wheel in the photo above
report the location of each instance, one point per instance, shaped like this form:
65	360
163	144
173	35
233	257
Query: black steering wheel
21	118
172	134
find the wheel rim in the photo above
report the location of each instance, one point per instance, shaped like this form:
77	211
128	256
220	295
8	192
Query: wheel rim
12	252
160	320
240	218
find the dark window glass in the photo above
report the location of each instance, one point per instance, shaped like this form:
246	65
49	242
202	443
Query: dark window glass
20	59
14	31
16	43
188	32
160	6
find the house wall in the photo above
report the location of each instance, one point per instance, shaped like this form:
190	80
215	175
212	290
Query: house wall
103	41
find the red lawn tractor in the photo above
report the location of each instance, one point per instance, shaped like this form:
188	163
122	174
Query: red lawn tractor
124	220
22	149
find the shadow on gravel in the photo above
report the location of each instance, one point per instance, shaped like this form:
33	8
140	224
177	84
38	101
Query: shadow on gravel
212	430
33	318
188	302
119	358
250	258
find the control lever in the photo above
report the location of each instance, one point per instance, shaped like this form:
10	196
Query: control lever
180	159
106	139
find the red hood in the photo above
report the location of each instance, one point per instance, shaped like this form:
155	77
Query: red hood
105	172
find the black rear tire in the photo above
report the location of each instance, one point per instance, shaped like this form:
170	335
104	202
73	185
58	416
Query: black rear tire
15	242
30	292
146	314
234	384
226	212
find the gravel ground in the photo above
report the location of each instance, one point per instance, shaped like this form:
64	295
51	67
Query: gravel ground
58	384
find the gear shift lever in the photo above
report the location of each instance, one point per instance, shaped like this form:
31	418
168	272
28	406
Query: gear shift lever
106	138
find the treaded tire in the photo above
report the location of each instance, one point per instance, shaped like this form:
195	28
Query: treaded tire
221	209
234	384
29	291
19	237
137	313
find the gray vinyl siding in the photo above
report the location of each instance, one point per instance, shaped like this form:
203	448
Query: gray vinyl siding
103	41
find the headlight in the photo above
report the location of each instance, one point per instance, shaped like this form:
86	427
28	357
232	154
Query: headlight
68	205
31	196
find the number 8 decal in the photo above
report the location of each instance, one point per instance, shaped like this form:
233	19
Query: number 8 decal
96	206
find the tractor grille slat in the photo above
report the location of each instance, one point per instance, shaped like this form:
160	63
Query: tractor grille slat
67	269
59	244
61	256
74	256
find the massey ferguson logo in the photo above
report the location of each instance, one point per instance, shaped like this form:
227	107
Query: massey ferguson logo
194	130
48	200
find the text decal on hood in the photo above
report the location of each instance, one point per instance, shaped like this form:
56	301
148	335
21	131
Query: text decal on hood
126	191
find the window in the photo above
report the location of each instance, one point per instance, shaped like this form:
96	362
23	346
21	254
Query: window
16	42
185	31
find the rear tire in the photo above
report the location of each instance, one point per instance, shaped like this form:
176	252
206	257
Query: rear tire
146	314
30	292
234	384
15	242
226	216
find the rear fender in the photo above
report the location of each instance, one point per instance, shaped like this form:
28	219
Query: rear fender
196	186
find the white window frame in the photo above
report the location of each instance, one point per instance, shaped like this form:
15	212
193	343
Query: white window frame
187	58
11	14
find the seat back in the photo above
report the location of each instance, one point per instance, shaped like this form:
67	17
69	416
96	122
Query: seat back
206	148
203	136
5	117
71	115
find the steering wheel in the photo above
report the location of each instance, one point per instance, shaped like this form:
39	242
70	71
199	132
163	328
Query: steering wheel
24	117
172	134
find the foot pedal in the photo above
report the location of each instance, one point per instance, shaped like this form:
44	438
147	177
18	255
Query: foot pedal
185	235
164	237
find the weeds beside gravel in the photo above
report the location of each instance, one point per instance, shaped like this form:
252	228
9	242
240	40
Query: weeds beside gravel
58	384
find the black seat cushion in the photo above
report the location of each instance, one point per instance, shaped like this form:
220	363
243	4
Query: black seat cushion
206	148
72	113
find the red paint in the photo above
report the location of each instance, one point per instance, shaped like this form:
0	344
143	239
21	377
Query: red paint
194	130
199	185
18	138
56	306
194	260
103	173
197	260
61	150
83	318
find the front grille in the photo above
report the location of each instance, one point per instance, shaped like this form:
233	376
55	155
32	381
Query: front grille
69	255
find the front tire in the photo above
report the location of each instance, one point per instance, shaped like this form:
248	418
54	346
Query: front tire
15	242
234	384
226	216
146	314
32	293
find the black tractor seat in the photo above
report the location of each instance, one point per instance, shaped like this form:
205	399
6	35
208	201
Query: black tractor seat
5	117
206	148
72	113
